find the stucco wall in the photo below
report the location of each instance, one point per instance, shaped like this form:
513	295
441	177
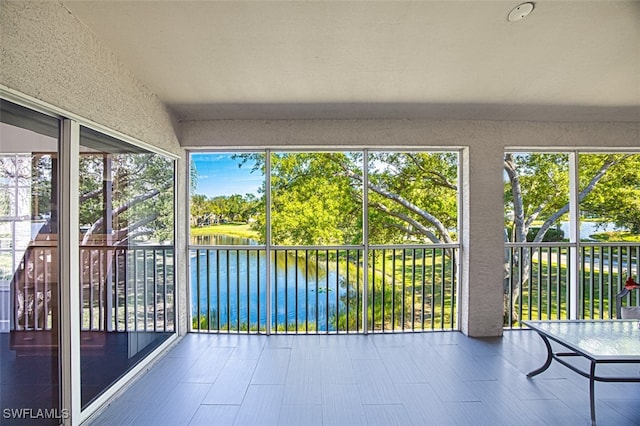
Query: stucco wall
498	134
47	54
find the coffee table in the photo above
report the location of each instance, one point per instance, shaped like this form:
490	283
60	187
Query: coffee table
599	341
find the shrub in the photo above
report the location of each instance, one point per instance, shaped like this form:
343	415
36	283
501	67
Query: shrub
552	234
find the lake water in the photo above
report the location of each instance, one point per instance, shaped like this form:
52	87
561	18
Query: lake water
232	284
589	228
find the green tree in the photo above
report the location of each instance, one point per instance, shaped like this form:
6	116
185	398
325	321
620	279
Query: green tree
312	200
235	207
250	207
537	189
127	197
616	198
412	196
317	197
199	209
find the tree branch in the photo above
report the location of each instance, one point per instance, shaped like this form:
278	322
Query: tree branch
581	196
409	206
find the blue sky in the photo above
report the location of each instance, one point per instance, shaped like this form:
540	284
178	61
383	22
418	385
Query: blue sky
219	174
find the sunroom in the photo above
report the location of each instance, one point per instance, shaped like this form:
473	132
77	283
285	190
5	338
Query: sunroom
426	176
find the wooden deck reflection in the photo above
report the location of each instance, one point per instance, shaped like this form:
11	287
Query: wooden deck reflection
438	378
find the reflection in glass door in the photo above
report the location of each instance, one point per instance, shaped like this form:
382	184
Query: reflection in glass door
126	258
29	315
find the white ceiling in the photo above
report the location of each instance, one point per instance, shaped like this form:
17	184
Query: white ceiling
569	60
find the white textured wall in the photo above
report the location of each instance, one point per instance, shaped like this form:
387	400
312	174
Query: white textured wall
47	54
266	133
480	298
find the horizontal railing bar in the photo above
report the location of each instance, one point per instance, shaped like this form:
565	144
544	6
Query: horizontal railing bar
226	247
112	247
605	244
413	246
567	244
51	244
378	246
273	248
340	248
538	245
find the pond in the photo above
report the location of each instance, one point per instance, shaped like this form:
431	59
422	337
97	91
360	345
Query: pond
587	229
230	284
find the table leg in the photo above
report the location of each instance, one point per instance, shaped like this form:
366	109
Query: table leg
592	391
547	363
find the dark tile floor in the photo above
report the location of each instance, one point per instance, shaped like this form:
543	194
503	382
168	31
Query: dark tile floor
29	367
442	378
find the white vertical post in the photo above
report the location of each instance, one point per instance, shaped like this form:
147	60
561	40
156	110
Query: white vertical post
267	200
365	234
574	237
462	229
69	267
108	250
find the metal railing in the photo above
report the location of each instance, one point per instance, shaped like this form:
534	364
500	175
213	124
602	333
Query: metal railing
121	288
415	287
566	281
127	288
314	290
33	287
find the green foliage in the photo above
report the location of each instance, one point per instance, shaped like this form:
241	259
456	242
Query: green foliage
141	193
312	200
412	195
539	190
616	198
545	296
204	322
317	197
223	209
609	189
552	235
414	289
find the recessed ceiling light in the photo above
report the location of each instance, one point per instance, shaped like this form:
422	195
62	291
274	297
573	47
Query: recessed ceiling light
520	12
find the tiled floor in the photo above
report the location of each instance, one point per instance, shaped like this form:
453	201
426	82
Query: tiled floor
392	379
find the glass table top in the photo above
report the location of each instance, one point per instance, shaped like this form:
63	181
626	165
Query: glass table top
606	339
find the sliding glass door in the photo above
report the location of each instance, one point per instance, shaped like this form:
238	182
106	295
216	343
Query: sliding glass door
126	204
87	284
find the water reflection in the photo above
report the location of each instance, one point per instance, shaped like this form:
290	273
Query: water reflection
230	285
587	229
221	240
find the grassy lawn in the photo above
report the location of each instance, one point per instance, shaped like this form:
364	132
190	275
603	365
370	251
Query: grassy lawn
616	236
241	230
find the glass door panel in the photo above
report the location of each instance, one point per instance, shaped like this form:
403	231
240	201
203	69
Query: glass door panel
126	258
29	315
